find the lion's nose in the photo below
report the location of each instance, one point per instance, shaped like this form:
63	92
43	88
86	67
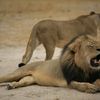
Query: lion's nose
98	49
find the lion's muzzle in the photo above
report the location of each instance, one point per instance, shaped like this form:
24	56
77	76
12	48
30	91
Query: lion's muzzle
95	62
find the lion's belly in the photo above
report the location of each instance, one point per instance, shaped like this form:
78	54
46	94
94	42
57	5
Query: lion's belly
49	74
49	80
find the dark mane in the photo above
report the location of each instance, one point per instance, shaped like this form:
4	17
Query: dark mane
71	71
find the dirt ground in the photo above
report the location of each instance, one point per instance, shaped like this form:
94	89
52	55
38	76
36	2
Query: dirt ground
17	17
11	56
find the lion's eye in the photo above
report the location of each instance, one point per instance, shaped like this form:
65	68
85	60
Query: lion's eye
91	46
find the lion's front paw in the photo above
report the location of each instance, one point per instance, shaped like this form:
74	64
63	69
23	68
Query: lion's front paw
85	87
92	88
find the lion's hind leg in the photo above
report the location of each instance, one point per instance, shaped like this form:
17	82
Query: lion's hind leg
28	80
84	87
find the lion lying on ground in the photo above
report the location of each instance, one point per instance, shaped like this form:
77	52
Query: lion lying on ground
53	33
77	68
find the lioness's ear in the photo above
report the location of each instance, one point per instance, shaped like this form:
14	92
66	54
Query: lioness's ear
92	13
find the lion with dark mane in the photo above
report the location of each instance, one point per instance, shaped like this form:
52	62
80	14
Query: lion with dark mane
78	68
52	33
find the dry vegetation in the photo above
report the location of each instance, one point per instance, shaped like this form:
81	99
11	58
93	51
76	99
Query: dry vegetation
17	17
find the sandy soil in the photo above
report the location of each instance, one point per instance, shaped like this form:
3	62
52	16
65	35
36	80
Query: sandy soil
11	56
17	18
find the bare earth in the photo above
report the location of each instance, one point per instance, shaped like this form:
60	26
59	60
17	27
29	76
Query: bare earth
15	26
11	56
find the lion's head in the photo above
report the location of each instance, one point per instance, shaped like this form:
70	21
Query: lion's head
81	58
87	53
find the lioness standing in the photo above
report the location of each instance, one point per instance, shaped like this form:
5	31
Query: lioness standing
53	33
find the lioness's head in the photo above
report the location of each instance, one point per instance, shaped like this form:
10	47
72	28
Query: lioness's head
83	52
93	19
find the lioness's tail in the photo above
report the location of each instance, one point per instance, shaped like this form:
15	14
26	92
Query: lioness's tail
32	44
14	76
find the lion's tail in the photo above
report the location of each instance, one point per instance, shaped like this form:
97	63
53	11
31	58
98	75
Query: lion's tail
31	46
14	76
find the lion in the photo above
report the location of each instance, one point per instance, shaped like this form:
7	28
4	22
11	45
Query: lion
52	33
77	68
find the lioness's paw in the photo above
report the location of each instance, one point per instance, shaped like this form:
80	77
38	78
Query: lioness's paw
21	64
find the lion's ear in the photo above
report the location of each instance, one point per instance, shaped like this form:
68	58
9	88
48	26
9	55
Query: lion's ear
75	46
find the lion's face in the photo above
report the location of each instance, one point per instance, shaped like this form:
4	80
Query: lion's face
87	53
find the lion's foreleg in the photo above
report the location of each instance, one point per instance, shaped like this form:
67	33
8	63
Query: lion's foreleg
84	87
28	80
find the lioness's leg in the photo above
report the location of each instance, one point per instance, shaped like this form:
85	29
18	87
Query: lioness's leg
28	80
84	87
49	53
50	48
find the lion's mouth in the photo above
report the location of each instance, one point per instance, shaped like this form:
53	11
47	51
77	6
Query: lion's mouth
95	62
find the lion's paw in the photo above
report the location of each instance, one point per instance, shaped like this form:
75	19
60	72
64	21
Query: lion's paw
92	89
